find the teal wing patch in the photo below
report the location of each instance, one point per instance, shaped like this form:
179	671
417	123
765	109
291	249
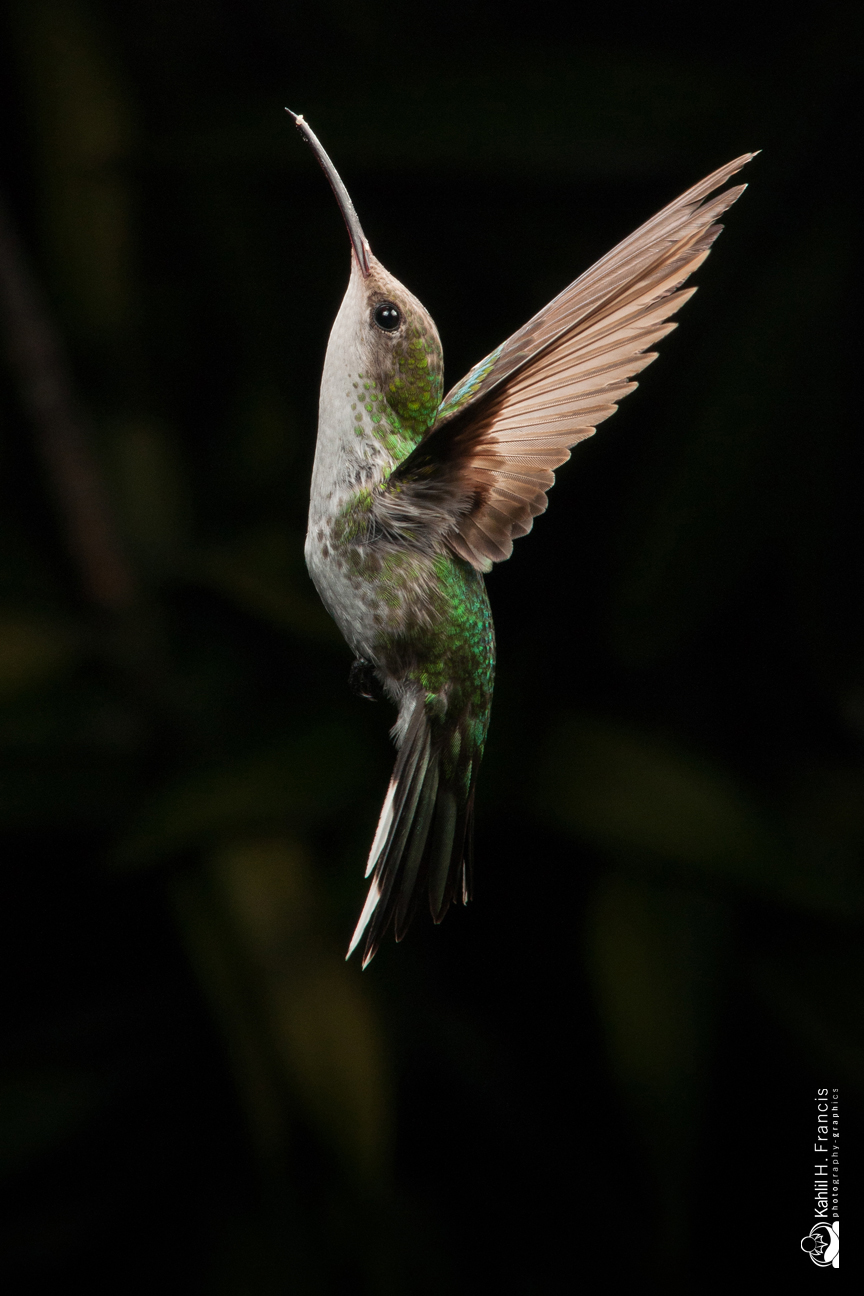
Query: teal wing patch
463	392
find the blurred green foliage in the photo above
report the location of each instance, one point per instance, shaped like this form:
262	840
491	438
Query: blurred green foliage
671	818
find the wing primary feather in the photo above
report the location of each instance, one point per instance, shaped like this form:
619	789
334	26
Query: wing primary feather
516	416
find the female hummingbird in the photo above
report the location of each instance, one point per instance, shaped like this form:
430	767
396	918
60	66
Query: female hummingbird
414	497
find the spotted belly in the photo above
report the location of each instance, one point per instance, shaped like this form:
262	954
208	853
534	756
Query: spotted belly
374	592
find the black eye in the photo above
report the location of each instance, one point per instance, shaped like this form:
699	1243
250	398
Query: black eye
387	316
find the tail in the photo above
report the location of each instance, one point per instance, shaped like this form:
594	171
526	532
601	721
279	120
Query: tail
424	835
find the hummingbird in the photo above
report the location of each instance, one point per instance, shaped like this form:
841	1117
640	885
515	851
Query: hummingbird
416	495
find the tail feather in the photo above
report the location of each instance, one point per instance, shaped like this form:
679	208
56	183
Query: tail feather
468	860
409	891
457	883
421	837
440	853
394	824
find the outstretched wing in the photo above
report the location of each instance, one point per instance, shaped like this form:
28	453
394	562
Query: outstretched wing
480	476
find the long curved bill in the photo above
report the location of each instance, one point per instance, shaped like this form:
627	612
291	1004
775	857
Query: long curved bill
359	242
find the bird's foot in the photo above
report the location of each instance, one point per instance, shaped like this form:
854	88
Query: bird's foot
362	679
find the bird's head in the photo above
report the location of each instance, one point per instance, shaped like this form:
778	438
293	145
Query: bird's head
385	334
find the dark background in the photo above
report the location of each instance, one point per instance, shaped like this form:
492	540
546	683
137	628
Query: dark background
606	1065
